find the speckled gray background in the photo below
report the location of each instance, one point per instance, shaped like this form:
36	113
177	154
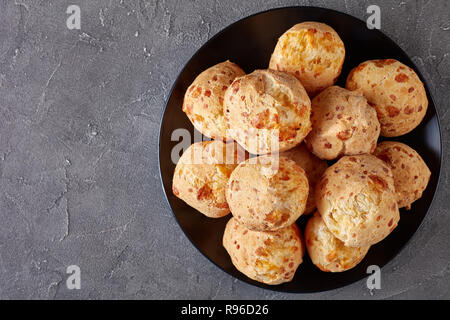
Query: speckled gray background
79	120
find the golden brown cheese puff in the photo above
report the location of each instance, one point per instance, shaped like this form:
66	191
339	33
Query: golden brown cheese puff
343	124
268	257
411	174
267	111
395	91
313	52
267	193
201	176
327	252
203	101
314	168
356	199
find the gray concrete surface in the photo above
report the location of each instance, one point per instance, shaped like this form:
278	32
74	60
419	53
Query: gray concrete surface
79	117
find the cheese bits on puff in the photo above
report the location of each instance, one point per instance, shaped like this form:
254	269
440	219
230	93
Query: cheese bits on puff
343	124
267	193
327	252
357	201
203	101
268	257
267	111
202	173
311	51
395	91
411	174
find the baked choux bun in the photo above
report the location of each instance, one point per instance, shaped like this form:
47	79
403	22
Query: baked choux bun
267	111
343	124
327	252
313	52
356	199
202	173
411	174
267	193
314	168
203	101
268	257
395	91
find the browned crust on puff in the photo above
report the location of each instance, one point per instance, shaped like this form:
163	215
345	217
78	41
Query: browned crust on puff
203	101
411	174
201	176
267	257
356	199
343	124
266	194
327	252
265	105
311	51
395	91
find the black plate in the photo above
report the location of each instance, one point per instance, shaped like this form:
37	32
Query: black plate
249	43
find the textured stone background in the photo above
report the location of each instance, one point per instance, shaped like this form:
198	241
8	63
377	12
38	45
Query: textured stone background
79	117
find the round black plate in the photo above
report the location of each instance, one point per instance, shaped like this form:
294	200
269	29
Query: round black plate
249	43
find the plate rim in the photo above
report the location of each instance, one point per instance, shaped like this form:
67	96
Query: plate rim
223	30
